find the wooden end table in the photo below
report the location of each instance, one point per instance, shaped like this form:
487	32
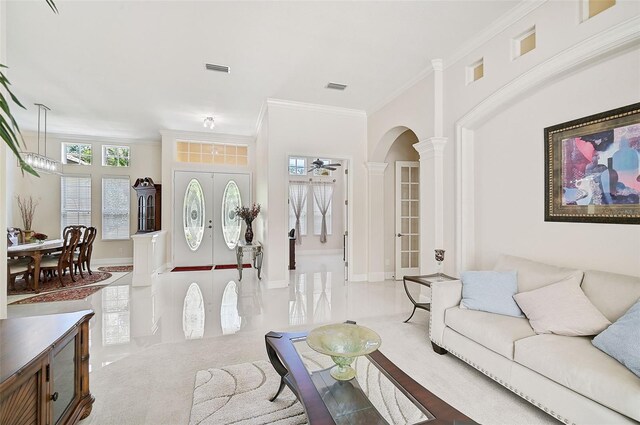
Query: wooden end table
424	280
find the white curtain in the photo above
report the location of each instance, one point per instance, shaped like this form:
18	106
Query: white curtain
297	200
323	193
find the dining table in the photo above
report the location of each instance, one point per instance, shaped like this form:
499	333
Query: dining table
36	251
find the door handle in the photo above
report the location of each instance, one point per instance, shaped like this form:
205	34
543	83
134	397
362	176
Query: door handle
400	234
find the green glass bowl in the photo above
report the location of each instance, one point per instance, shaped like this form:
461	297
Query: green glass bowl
343	342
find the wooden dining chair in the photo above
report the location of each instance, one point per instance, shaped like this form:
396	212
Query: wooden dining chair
17	267
79	227
61	262
82	258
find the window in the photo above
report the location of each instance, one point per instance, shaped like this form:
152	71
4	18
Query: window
591	8
475	71
297	166
213	153
524	43
115	156
323	171
75	200
76	153
303	214
115	207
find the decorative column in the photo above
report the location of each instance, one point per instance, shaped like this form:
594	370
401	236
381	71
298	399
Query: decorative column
431	152
376	220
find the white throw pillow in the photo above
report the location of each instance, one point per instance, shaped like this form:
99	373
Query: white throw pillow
562	309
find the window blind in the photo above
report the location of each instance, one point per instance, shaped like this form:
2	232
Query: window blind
115	207
75	201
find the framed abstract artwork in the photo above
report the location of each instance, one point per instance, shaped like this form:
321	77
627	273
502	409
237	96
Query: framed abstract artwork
592	168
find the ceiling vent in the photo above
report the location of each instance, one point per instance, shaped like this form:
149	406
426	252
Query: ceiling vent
219	68
336	86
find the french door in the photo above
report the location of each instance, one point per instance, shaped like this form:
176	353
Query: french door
407	218
206	230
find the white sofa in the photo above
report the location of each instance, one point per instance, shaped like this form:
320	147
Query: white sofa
565	376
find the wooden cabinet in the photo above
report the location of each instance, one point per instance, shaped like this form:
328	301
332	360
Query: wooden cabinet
44	369
149	204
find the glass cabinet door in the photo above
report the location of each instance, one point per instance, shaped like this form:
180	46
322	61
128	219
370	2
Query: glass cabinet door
63	388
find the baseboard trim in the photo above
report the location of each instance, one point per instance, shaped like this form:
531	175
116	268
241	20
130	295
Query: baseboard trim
358	278
389	275
112	261
376	277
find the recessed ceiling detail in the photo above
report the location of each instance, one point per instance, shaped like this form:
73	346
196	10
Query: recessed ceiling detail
336	86
219	68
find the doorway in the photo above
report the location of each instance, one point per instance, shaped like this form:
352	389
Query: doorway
206	230
407	218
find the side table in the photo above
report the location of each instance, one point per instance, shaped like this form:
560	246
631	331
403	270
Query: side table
424	280
256	249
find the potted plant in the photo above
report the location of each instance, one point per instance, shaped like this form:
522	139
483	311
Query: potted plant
248	215
40	237
27	208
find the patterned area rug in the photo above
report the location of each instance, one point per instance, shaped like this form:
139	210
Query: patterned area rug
64	295
54	284
240	394
116	269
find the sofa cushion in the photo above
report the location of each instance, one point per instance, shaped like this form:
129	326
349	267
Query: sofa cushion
490	291
622	340
562	309
578	365
494	331
613	294
532	274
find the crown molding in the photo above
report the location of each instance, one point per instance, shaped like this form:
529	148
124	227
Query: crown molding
261	115
302	106
206	136
403	88
71	137
496	27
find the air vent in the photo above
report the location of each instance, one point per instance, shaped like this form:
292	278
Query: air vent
219	68
336	86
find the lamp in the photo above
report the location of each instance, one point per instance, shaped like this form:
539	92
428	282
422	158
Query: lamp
42	163
209	123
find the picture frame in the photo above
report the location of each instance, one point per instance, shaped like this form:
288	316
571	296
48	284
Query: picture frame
592	168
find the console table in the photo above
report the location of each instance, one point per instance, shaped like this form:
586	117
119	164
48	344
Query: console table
256	249
44	369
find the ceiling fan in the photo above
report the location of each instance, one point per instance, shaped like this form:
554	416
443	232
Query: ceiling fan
319	164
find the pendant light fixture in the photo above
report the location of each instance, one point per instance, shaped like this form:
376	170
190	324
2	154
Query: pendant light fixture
42	163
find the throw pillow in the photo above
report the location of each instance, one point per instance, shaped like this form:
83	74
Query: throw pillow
622	339
562	309
490	291
533	274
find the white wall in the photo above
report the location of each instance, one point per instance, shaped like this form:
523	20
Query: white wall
314	131
558	29
509	174
401	150
145	162
311	242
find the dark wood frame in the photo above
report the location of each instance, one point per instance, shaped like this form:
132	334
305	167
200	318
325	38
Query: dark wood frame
148	205
553	136
287	362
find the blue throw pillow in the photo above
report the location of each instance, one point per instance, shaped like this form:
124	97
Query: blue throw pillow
621	340
491	292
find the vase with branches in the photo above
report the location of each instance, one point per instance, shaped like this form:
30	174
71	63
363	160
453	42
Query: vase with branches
248	214
27	208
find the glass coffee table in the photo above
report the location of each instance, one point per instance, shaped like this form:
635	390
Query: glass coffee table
381	393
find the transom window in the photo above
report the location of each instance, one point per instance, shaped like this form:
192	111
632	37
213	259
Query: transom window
77	153
297	166
115	156
213	153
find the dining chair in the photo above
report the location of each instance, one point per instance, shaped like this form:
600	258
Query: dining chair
17	267
79	227
61	262
83	256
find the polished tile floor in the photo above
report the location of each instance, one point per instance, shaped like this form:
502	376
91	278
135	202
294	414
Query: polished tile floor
185	306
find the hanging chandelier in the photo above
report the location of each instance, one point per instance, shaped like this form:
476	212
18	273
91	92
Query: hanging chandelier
42	163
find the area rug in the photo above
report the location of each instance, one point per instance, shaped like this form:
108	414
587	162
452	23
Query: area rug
116	269
54	284
64	295
192	269
240	395
230	266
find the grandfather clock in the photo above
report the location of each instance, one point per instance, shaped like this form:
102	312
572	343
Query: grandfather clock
149	196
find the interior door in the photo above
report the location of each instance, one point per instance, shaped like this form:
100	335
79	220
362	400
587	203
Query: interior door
229	191
407	218
345	238
193	219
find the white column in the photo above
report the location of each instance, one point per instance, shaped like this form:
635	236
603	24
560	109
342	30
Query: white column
438	98
376	220
3	177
